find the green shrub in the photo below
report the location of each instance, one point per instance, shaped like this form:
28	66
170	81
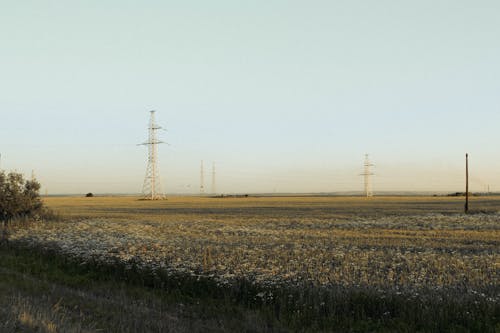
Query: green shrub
19	198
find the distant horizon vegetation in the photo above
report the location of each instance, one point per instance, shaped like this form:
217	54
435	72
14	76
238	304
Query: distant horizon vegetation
285	194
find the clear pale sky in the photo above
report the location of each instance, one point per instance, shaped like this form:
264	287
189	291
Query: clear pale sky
283	96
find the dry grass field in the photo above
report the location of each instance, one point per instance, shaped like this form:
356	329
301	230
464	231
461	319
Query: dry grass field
308	260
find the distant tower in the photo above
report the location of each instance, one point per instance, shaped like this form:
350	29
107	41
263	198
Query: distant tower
213	178
367	175
152	187
202	179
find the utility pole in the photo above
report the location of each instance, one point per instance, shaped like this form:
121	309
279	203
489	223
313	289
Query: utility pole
152	187
466	183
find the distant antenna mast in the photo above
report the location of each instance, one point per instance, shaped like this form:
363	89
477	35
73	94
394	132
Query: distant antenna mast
202	179
152	187
213	178
367	175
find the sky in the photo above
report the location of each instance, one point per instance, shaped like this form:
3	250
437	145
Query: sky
283	96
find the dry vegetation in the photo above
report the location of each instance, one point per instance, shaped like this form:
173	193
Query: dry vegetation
418	249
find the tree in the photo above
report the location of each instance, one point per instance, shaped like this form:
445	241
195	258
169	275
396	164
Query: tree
19	198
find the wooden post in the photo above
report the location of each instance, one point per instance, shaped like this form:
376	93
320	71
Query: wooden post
466	183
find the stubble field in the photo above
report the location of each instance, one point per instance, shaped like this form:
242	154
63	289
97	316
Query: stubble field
312	262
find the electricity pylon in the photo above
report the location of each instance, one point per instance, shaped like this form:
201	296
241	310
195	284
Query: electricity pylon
202	179
213	178
152	186
367	175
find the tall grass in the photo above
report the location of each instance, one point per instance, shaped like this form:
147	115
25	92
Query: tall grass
389	264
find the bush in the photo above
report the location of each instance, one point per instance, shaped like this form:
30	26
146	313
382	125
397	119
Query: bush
19	198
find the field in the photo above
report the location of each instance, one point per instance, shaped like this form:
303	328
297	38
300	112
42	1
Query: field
290	263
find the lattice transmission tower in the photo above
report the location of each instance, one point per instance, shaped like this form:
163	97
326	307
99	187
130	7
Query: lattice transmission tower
367	175
213	179
202	179
152	185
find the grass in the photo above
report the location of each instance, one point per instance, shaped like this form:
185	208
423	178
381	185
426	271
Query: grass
388	264
44	292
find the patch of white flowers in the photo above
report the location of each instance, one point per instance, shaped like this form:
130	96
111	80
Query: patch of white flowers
432	251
